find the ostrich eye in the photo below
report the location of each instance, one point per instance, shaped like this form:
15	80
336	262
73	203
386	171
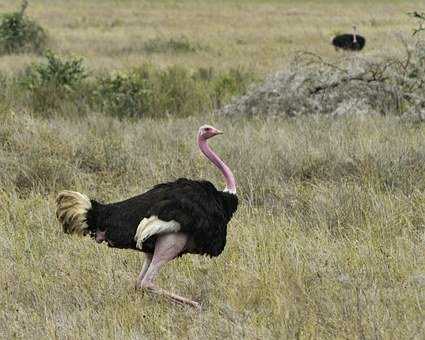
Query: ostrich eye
207	129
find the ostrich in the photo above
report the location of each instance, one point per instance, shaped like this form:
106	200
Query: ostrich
165	222
350	42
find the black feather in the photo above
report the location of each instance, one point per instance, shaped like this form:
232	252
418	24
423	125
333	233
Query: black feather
202	211
346	42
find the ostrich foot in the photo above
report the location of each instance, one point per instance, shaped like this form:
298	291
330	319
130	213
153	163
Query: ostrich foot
146	264
138	283
171	296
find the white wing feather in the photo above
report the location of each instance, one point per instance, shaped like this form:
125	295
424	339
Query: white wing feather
154	226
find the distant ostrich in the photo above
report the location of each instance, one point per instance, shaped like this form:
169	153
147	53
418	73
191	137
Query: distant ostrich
169	220
351	42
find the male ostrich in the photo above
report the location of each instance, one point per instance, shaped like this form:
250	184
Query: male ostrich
351	42
169	220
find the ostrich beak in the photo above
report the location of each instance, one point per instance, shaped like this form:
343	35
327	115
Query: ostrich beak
219	132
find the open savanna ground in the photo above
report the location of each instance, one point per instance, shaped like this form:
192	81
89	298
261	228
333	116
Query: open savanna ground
329	238
328	241
259	35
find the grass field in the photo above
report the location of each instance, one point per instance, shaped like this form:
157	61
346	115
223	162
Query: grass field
329	238
328	241
259	35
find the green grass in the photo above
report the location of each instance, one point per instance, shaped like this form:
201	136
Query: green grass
328	241
173	45
61	86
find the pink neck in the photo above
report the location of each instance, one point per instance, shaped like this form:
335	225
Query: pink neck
227	173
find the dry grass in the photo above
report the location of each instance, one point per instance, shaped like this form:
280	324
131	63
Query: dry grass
328	241
259	35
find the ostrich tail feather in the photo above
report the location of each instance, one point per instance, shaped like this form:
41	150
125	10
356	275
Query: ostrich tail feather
71	211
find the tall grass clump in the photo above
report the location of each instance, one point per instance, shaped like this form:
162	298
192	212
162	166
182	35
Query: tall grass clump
20	34
228	84
180	44
4	84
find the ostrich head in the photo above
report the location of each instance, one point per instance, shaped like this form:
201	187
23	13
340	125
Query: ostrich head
207	131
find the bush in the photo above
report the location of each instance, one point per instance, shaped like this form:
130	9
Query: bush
125	94
60	86
420	17
57	72
56	83
19	34
178	92
150	91
229	84
312	85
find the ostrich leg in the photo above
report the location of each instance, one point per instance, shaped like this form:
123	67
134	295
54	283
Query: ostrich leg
167	247
146	263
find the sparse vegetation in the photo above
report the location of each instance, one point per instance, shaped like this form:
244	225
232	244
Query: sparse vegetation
62	86
180	44
20	34
260	36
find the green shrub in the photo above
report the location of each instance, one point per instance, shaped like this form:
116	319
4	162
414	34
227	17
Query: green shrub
222	86
56	84
229	84
56	72
178	92
20	34
60	86
125	94
151	91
